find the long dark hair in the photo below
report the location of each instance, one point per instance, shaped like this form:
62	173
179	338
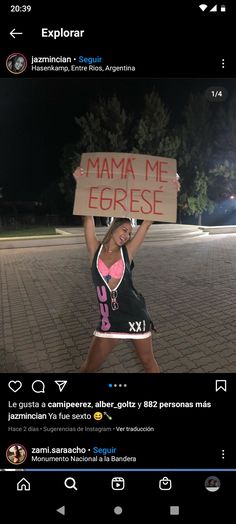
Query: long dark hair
117	222
16	450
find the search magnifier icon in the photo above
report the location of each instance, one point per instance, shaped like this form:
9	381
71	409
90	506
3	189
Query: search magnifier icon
70	483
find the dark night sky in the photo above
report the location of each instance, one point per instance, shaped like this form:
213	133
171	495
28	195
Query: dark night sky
37	120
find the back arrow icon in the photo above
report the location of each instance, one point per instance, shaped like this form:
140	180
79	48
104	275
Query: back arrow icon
13	33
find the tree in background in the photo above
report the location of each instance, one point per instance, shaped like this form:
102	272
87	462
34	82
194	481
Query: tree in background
223	190
105	128
195	157
153	135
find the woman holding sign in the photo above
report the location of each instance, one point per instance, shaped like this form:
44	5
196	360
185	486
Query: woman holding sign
123	312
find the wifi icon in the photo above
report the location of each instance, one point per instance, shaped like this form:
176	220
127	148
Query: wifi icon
203	7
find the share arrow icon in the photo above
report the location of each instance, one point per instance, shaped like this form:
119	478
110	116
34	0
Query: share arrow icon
61	384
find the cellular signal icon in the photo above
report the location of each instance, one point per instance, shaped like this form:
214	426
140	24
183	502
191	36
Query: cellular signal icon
203	7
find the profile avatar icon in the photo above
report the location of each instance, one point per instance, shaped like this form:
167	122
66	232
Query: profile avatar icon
212	483
16	63
16	454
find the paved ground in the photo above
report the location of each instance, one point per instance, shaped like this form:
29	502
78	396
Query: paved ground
49	308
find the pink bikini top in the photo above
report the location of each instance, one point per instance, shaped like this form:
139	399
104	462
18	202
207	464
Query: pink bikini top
115	271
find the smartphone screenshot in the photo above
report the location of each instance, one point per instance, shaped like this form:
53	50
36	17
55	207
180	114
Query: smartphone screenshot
117	244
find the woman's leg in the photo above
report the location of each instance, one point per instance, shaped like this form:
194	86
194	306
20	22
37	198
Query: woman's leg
98	352
144	351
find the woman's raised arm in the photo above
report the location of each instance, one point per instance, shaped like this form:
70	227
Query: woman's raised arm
90	236
138	238
89	225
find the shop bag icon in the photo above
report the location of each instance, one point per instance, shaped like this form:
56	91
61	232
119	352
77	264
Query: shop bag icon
165	484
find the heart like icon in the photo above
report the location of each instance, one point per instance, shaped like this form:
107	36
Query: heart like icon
15	385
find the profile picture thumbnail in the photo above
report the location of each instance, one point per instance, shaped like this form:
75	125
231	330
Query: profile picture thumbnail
212	484
16	63
16	454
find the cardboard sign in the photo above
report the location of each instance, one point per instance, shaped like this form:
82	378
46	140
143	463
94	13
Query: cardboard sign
126	185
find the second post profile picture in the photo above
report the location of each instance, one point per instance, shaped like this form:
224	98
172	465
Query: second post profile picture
212	484
16	454
16	63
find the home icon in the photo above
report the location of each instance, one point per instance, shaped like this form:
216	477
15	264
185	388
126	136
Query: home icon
23	485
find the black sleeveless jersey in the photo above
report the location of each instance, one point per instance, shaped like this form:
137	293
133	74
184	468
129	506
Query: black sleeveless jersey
123	312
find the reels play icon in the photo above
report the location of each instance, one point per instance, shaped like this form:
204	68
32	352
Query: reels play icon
117	483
